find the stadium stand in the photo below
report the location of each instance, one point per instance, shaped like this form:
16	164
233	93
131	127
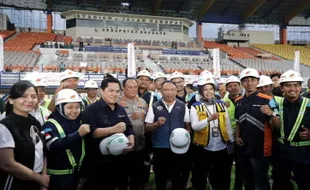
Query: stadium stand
232	52
286	51
7	33
263	67
257	53
20	61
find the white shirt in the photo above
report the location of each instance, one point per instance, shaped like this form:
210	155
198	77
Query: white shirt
215	143
7	141
38	115
150	114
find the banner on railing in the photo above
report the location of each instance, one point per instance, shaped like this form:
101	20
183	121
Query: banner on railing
297	61
216	63
1	55
131	67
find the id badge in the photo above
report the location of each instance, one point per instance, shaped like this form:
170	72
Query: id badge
215	132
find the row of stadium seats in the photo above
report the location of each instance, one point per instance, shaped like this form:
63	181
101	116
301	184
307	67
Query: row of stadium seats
260	65
286	51
256	53
19	61
227	67
25	41
7	33
232	52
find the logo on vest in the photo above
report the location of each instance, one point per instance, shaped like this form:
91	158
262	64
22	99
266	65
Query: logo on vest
159	108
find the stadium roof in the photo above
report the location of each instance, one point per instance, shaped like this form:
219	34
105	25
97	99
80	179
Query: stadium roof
214	11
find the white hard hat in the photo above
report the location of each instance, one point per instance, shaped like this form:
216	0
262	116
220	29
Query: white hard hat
159	75
91	84
249	72
36	81
232	79
68	74
103	146
117	143
176	74
205	79
179	141
145	73
206	72
67	96
264	81
291	76
222	81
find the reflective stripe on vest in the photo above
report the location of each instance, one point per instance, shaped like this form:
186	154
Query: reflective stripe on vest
44	113
89	102
69	153
201	138
296	125
231	112
151	100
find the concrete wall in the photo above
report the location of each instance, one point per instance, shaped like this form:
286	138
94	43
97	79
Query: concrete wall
90	32
261	37
3	21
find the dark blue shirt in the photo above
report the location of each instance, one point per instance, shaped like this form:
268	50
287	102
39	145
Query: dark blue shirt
146	96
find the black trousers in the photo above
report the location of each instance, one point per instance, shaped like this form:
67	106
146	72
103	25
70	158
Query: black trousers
217	164
282	170
135	169
238	172
168	165
255	172
109	173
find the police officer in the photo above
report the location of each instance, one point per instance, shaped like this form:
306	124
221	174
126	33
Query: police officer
162	118
64	141
253	132
68	79
136	109
91	88
292	149
106	117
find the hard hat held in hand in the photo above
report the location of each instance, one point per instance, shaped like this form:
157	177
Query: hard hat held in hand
145	73
114	144
67	96
291	76
264	81
205	79
68	74
249	72
179	141
91	84
159	75
232	79
176	74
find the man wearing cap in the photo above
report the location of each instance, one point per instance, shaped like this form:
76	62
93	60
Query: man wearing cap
162	118
68	79
91	88
233	87
106	117
265	85
159	78
253	132
136	109
144	78
291	151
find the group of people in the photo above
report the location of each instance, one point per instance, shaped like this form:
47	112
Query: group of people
74	141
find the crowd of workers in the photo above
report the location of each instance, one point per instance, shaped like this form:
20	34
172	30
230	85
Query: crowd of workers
110	138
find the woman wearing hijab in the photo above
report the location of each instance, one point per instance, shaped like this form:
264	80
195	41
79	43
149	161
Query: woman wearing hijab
212	138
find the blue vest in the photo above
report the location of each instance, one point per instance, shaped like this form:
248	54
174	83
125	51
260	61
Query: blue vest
174	119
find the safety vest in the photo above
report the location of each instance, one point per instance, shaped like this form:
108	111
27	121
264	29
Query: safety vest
296	126
45	113
152	99
231	112
75	166
201	138
88	100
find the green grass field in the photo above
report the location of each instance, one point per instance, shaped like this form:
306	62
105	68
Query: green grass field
151	185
